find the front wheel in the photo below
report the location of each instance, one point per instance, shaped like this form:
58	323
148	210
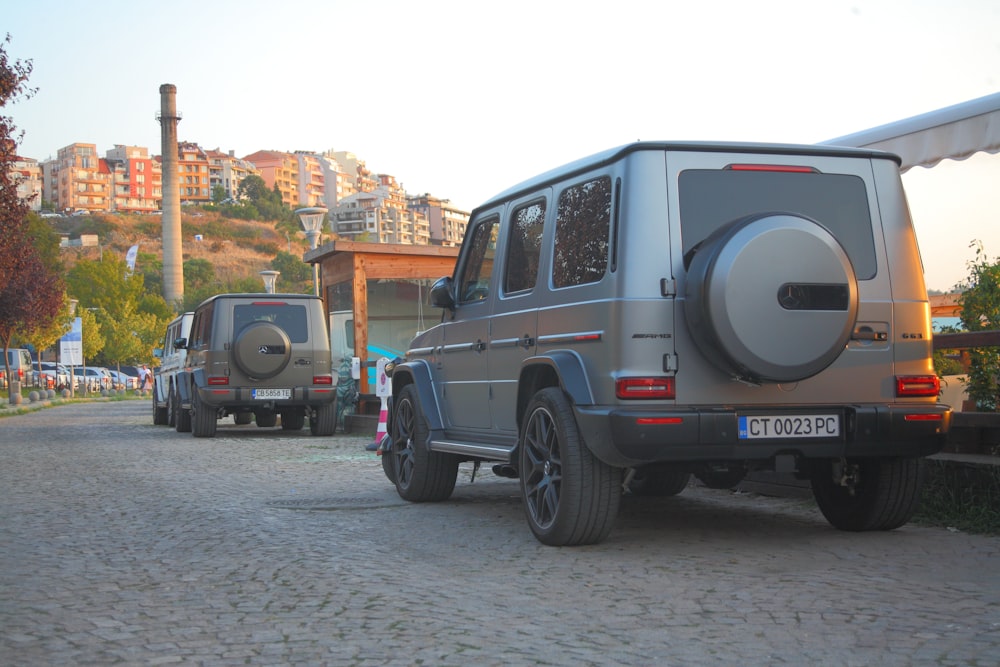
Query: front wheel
868	494
182	417
420	475
570	497
159	412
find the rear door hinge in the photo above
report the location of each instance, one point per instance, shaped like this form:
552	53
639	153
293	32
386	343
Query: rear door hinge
668	287
670	363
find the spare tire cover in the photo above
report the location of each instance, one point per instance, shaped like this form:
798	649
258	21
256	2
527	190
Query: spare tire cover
771	297
262	350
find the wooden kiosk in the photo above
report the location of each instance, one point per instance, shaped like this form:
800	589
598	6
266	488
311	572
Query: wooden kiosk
342	261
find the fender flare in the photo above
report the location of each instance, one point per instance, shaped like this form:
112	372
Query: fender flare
568	368
186	384
419	374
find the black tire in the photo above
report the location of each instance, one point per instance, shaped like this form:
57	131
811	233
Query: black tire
883	495
171	409
182	417
266	418
419	474
658	481
293	421
570	497
205	418
242	418
159	412
388	468
721	477
323	420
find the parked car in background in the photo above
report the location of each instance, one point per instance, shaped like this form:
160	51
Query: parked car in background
50	375
19	363
171	358
123	380
96	378
262	354
58	372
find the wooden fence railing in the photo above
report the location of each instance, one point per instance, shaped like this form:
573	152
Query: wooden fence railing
966	339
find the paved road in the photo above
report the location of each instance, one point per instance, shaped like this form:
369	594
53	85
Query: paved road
121	542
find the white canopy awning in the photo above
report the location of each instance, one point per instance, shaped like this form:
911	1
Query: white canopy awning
955	132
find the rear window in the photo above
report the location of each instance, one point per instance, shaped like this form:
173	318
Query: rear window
291	318
710	198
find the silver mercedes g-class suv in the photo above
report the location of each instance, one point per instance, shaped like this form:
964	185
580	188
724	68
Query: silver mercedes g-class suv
260	356
667	309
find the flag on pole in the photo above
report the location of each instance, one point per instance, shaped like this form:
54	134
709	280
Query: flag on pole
130	257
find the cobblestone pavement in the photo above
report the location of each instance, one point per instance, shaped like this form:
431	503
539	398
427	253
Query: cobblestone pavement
123	542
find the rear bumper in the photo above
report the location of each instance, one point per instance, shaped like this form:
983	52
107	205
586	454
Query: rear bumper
242	397
634	436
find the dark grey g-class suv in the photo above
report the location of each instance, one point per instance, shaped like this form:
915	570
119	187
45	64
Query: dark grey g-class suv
662	310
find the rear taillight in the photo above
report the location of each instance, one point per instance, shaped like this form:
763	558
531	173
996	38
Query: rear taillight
323	379
218	380
917	385
645	388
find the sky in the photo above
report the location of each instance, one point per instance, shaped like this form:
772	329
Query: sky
462	99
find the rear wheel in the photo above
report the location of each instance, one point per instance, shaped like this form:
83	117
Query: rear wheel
266	418
659	481
868	494
570	497
204	419
242	418
293	421
721	477
420	475
323	420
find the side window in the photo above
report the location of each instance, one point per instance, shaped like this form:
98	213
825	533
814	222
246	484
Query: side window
524	248
201	328
583	223
474	283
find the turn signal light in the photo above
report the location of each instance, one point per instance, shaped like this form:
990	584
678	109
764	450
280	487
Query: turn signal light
645	388
917	385
323	379
218	379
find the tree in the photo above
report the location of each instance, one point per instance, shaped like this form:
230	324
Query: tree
254	189
198	272
296	275
980	303
31	292
129	319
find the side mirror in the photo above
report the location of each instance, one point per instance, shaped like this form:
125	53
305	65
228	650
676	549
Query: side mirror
441	293
180	343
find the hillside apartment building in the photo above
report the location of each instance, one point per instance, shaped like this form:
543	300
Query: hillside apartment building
363	206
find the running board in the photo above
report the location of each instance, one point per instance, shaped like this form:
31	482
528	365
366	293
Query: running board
486	452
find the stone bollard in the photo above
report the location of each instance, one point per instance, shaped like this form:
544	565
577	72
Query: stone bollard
33	397
50	393
65	393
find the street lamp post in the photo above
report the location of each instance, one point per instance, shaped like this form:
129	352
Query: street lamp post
270	278
312	222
